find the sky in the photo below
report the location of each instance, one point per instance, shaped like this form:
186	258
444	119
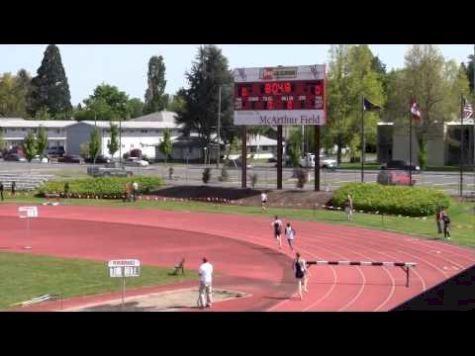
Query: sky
125	66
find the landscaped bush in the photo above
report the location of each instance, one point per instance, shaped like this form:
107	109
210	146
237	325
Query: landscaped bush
102	187
397	200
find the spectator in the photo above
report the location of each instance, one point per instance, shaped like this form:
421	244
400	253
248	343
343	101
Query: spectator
206	279
438	220
135	190
13	189
263	200
349	207
446	224
1	189
127	191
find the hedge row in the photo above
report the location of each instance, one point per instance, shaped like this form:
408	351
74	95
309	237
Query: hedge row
397	200
101	186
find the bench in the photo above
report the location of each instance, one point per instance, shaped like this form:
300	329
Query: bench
180	267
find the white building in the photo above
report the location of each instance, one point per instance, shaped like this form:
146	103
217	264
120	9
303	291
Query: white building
142	135
14	131
443	143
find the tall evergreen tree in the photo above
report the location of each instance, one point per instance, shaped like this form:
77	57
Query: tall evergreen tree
50	87
155	99
95	143
200	110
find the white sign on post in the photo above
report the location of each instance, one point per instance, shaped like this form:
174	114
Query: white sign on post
28	212
124	268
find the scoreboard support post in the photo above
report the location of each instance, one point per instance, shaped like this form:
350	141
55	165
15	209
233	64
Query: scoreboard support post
279	157
317	158
244	157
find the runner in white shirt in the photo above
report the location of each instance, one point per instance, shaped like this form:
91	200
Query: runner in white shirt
206	279
290	233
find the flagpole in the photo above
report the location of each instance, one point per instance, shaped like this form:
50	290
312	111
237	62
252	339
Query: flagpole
461	144
362	139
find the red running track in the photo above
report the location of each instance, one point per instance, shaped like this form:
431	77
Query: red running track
244	254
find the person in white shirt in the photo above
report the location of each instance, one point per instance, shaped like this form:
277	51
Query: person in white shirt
135	190
263	200
290	233
206	278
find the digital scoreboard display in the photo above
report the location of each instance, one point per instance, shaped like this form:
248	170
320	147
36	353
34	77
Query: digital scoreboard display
280	96
284	95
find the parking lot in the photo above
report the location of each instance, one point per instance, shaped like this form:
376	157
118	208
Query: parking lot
266	175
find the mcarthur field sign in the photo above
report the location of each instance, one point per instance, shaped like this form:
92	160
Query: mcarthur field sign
280	96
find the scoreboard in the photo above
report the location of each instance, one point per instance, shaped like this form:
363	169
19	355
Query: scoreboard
280	96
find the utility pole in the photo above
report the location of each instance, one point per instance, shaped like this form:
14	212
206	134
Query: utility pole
219	128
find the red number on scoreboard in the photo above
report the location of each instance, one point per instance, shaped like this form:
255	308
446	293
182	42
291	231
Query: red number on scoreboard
244	92
270	105
267	88
287	87
290	105
318	90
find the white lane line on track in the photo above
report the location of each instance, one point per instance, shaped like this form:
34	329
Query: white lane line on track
347	305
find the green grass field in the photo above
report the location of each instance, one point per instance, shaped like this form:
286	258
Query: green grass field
461	214
27	276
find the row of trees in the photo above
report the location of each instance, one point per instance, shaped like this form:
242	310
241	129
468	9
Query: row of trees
47	96
354	72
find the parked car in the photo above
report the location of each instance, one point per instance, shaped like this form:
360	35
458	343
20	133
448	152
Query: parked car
55	151
105	171
235	163
70	159
401	165
394	177
136	162
15	157
308	161
39	159
99	159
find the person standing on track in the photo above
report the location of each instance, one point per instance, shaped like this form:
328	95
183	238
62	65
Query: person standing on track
299	267
290	233
206	278
277	226
263	200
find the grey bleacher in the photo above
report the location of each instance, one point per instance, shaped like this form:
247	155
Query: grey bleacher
24	181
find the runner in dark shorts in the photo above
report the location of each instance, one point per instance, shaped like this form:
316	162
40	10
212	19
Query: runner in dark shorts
277	226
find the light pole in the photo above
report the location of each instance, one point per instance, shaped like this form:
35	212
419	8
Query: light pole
218	131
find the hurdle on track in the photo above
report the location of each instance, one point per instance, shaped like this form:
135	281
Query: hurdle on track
406	266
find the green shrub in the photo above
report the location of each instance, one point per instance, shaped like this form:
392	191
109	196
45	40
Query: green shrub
101	186
397	200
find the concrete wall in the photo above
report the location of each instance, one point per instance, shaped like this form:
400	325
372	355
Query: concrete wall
77	135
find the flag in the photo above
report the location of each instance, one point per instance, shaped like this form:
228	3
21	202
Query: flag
416	113
369	106
467	110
